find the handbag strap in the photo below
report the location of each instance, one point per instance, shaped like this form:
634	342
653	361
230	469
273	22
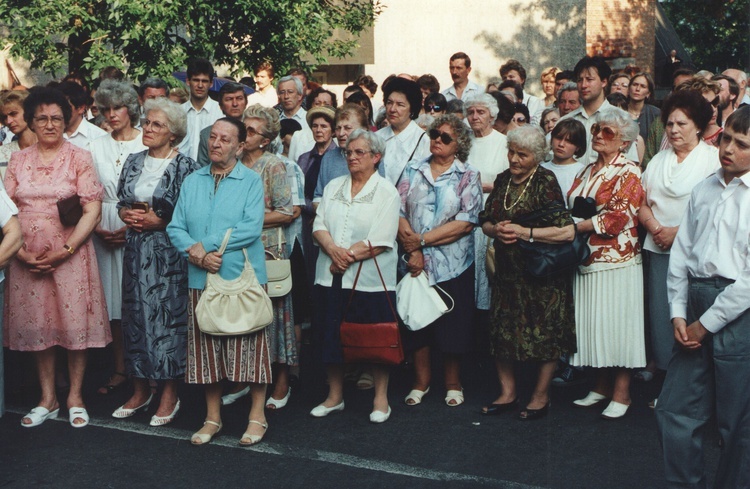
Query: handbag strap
356	279
223	247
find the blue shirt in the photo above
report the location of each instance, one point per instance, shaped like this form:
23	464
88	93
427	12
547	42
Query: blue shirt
204	215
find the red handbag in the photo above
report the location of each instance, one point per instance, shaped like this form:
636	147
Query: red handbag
371	342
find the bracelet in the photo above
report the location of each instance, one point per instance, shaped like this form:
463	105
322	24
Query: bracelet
531	235
69	249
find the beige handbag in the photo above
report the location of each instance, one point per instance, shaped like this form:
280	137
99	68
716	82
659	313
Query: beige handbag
490	258
279	272
233	307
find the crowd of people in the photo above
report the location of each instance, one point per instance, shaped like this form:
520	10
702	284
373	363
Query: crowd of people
121	202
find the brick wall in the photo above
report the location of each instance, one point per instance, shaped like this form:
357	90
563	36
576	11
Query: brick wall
622	29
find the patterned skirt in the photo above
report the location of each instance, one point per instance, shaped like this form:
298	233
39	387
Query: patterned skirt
244	358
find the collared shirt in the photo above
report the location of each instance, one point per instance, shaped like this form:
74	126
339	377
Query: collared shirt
84	134
470	90
535	106
268	98
713	241
588	120
400	147
427	204
299	116
197	120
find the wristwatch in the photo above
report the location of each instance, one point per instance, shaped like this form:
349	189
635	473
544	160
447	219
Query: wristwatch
531	235
422	242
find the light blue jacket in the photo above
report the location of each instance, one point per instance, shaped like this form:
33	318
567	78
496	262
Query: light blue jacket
202	215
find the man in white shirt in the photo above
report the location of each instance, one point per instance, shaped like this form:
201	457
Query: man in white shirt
592	75
709	295
513	70
462	88
265	93
291	92
79	131
201	110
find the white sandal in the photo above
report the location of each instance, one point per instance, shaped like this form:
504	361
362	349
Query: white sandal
454	395
253	438
78	413
203	438
415	396
39	415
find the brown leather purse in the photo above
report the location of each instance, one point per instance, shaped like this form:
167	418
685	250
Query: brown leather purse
371	342
70	210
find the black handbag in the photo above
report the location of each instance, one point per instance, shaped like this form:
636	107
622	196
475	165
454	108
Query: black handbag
547	259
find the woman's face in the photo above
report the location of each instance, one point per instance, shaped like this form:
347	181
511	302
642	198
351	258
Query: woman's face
681	130
522	162
550	121
562	148
322	131
359	157
606	139
713	99
638	90
548	85
255	140
156	132
479	118
443	142
13	115
344	127
117	117
323	99
398	110
49	124
620	85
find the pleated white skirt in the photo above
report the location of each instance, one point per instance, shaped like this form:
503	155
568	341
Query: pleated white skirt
610	318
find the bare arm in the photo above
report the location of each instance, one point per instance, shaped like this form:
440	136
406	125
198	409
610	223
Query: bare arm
51	259
12	241
274	219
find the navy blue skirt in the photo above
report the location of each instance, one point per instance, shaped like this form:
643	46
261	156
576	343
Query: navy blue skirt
330	302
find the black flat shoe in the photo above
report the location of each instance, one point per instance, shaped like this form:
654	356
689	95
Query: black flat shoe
495	409
532	414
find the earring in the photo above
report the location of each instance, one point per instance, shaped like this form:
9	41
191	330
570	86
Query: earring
261	146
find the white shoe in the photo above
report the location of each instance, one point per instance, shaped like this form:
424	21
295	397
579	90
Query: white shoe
615	410
272	403
203	438
123	412
380	416
39	415
415	396
231	398
78	413
321	411
591	399
162	420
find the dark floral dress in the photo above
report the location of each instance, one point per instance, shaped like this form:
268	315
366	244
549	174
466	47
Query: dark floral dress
530	318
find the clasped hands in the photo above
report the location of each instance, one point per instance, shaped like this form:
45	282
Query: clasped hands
211	262
341	258
689	337
507	232
45	262
138	220
663	236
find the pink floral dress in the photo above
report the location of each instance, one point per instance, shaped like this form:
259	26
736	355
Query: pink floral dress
67	307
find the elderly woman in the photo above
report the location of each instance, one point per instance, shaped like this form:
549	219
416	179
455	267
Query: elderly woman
640	90
668	182
118	103
404	139
357	218
548	84
262	125
56	297
441	197
155	301
224	195
549	119
532	318
11	116
605	199
489	155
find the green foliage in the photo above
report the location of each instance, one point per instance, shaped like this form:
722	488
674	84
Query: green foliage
156	37
714	31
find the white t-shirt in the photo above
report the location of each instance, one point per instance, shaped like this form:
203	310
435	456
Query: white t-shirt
153	170
489	155
565	175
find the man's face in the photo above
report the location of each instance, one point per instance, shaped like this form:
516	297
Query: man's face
199	85
569	101
152	93
459	71
590	86
223	143
289	97
76	116
233	104
515	76
734	154
724	95
679	80
559	83
262	80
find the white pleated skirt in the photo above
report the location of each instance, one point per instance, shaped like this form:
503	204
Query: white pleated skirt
610	318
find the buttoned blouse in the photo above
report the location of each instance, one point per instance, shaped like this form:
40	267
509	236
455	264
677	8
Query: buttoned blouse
400	147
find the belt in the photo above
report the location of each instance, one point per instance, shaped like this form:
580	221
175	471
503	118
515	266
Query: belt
715	281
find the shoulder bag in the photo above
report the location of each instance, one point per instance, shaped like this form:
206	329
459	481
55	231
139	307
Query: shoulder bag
418	303
233	307
70	210
371	342
279	272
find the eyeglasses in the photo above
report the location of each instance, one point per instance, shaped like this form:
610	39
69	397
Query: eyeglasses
358	153
432	108
155	126
43	121
608	134
620	85
715	102
444	137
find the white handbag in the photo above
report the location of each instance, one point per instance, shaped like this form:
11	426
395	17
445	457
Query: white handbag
418	303
233	307
279	272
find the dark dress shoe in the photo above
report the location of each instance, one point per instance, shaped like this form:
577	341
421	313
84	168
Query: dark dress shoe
495	409
532	414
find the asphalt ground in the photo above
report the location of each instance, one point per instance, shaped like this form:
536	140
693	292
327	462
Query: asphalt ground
430	445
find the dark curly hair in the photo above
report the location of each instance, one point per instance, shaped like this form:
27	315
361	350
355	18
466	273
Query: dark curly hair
692	103
45	96
462	133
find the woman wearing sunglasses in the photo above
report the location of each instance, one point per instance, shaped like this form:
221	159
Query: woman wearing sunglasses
441	197
608	288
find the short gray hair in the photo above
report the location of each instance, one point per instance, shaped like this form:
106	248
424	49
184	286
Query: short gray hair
156	83
620	120
270	118
483	100
567	87
115	93
462	134
297	83
176	116
531	138
374	141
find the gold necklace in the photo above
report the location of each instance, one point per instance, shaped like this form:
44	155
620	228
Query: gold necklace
507	189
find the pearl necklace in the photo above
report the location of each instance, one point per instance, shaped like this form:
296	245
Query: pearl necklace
507	189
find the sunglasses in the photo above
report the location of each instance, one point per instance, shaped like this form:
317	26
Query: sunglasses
608	134
444	137
432	108
715	102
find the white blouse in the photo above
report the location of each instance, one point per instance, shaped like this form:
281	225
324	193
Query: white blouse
371	215
668	184
489	155
153	170
399	147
